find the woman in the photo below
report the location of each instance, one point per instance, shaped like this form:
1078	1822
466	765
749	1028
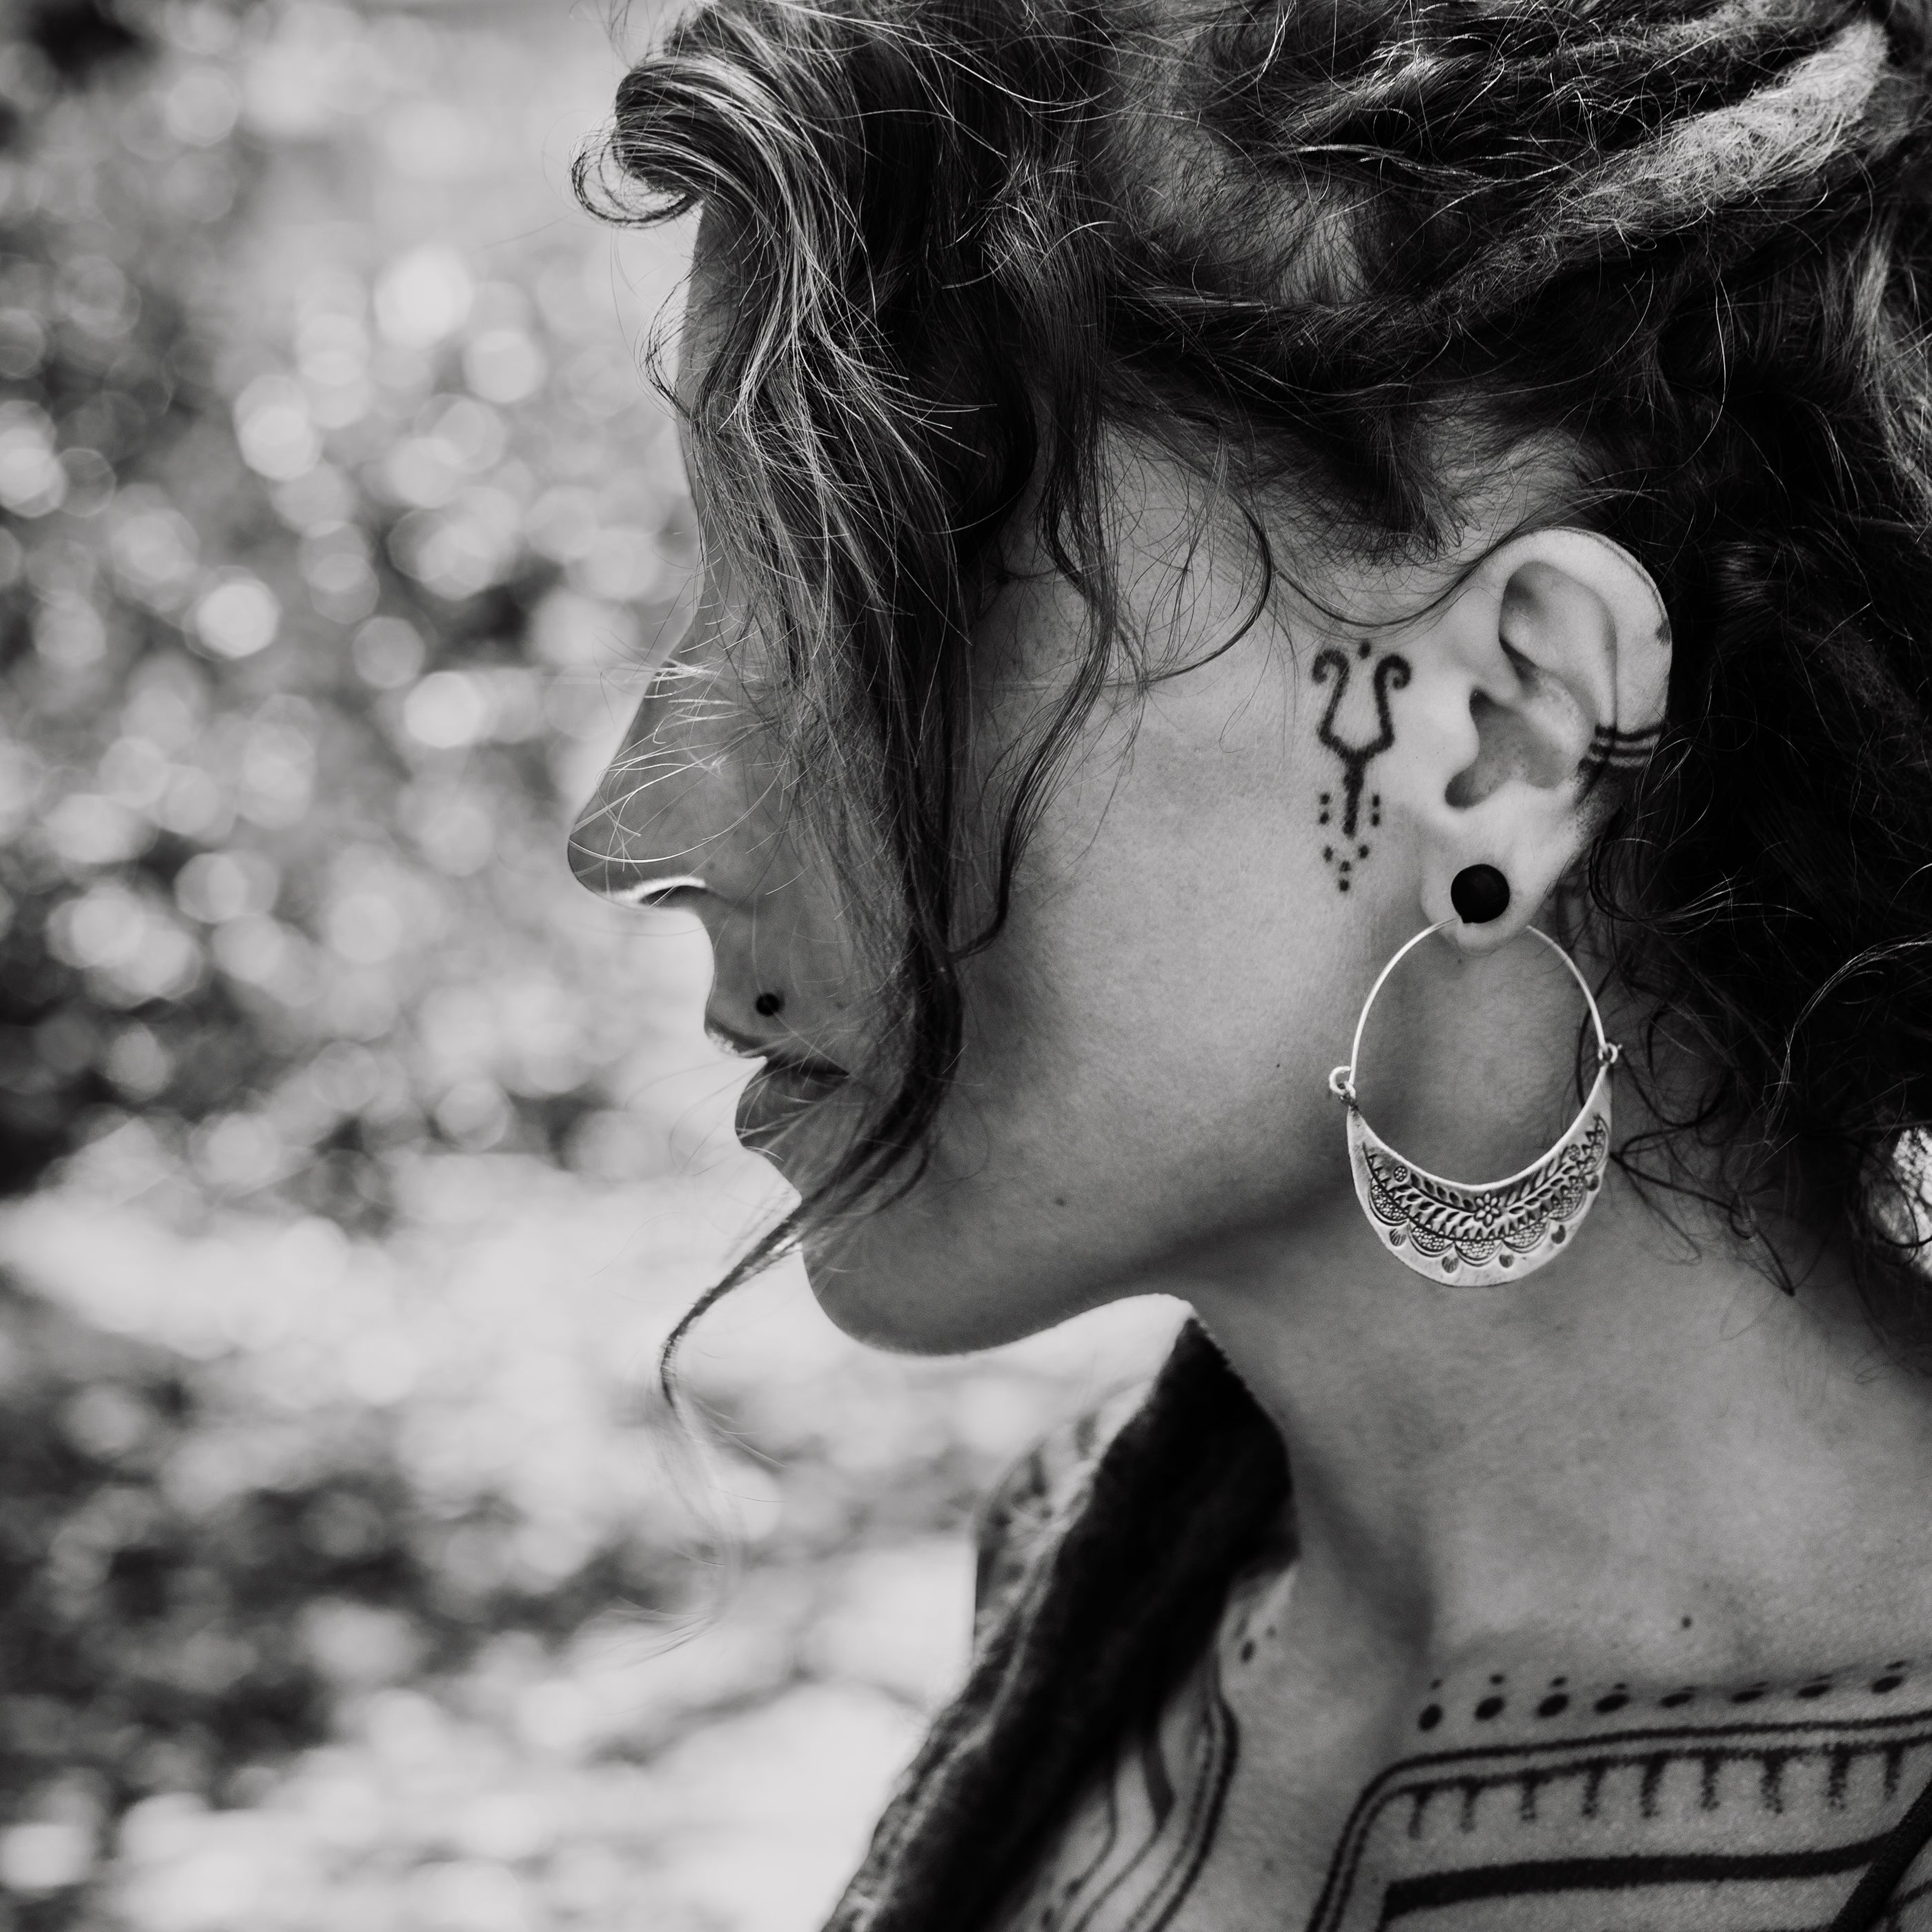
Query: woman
1196	499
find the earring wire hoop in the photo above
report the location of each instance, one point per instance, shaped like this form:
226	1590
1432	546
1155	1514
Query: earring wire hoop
1478	1233
1341	1080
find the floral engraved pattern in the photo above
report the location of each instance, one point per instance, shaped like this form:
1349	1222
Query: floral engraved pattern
1485	1233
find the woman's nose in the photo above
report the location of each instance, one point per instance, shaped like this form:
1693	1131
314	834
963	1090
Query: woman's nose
680	801
694	801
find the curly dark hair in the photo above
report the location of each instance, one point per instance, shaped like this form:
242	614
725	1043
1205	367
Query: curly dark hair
1295	244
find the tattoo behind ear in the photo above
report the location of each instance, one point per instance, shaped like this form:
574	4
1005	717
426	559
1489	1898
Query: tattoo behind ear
1346	850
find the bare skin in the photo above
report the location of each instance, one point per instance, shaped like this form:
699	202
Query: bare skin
1645	1467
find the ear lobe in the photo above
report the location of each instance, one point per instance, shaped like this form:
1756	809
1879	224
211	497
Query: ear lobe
1551	675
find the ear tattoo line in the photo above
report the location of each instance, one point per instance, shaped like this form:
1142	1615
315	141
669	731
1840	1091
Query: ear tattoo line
1612	750
1391	673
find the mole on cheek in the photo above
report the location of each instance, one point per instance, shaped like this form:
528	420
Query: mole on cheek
768	1005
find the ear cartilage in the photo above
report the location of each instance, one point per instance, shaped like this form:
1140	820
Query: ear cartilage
1480	894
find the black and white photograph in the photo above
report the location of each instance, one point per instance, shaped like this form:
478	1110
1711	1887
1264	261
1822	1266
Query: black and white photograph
965	966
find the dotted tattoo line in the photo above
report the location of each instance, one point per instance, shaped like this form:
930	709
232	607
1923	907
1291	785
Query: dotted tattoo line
1556	1698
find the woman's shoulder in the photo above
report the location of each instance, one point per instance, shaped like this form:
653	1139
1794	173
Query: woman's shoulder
1099	1553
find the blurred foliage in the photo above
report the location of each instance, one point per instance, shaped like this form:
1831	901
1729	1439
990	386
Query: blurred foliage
353	1582
177	1614
310	571
325	550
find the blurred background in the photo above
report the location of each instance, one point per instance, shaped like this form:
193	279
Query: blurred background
355	1162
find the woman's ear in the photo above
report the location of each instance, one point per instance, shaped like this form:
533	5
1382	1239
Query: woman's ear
1544	674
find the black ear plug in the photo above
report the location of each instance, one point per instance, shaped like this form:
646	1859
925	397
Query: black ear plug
1479	893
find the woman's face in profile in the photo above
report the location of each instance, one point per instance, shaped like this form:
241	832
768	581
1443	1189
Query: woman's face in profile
1213	885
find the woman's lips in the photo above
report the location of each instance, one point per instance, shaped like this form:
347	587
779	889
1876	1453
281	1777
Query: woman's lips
777	1097
791	1083
779	1057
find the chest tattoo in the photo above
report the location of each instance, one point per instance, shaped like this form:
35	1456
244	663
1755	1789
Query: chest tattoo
1754	1810
1748	1825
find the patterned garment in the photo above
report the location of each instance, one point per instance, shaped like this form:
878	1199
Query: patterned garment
1135	1844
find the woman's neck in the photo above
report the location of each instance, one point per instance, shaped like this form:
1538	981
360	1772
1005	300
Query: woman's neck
1646	1453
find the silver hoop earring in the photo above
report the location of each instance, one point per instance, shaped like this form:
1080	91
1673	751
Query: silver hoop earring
1476	1233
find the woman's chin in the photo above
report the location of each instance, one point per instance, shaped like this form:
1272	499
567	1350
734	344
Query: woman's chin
891	1308
946	1268
897	1280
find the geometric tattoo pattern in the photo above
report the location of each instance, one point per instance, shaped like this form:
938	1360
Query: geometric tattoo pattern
1613	750
1347	844
1750	1826
1737	1826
